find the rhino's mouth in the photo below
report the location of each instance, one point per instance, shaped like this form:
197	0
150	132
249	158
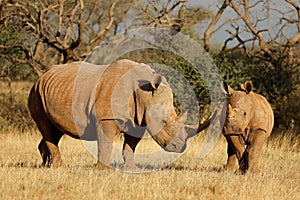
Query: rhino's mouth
232	130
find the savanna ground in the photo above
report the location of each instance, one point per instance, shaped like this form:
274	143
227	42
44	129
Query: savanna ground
189	177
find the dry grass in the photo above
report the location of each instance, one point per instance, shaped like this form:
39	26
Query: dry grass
188	178
13	106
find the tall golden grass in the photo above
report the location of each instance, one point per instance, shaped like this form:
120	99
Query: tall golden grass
187	178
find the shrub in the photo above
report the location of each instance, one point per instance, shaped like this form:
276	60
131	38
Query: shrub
14	113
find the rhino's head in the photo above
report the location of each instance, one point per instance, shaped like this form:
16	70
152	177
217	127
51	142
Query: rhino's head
239	109
150	107
166	128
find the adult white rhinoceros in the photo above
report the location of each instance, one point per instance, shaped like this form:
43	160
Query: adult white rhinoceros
93	102
249	123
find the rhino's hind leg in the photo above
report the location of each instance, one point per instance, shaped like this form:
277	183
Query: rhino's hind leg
49	150
45	153
48	146
51	156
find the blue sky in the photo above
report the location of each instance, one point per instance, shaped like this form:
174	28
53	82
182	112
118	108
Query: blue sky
258	12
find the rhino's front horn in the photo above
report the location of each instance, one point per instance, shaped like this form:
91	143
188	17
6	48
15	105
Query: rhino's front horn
194	130
230	111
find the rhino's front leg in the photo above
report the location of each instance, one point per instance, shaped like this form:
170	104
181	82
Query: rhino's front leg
106	132
130	143
256	140
234	145
231	160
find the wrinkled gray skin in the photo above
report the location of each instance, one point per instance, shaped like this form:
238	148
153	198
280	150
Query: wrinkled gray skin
249	122
129	98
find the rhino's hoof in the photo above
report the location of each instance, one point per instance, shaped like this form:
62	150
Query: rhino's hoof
101	166
58	164
130	168
240	172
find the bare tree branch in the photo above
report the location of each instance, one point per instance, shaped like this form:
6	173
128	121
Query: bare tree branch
59	31
278	48
254	31
170	15
209	31
107	27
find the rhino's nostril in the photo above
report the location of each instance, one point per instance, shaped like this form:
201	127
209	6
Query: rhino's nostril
174	147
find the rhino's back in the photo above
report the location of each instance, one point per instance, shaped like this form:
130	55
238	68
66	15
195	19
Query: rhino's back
60	90
263	117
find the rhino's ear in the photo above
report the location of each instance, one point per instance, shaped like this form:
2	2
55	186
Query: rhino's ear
247	86
156	81
226	88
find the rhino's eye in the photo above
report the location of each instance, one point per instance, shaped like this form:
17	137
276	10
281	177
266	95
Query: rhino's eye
245	113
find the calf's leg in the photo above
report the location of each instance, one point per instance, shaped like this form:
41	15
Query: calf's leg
257	139
235	150
231	160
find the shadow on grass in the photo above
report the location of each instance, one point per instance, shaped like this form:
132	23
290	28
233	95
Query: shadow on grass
21	165
194	169
120	167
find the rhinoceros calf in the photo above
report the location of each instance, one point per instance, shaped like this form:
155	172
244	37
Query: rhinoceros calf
93	102
249	122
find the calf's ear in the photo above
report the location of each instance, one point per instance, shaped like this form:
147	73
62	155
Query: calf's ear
247	86
226	88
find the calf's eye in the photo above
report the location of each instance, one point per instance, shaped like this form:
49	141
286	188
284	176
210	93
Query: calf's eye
245	113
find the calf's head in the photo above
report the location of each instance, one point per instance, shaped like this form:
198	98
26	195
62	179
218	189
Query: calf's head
239	108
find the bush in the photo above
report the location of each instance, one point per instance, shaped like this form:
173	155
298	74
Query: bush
14	113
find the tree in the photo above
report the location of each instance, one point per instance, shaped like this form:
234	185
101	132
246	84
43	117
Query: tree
278	48
61	31
57	31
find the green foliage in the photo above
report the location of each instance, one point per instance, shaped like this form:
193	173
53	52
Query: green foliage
12	37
